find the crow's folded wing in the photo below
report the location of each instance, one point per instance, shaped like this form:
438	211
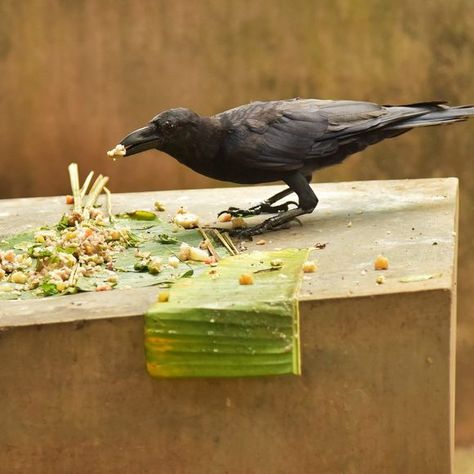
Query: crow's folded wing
282	135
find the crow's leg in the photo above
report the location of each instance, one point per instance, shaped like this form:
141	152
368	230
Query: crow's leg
307	203
265	207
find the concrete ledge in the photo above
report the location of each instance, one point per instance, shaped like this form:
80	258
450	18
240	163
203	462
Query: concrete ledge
376	394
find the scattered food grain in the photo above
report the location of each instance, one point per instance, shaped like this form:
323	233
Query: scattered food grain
246	279
309	266
185	219
186	252
198	255
163	296
225	217
61	286
213	273
154	265
159	206
238	223
380	280
18	277
113	279
173	261
381	263
261	242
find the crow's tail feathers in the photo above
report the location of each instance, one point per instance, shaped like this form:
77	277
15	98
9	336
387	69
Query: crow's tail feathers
437	113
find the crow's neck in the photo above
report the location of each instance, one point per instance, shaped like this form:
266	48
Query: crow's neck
198	147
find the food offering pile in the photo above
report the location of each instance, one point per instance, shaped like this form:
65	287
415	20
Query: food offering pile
218	313
90	249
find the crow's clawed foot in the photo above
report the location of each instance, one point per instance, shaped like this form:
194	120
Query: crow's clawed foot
269	209
274	223
263	208
237	212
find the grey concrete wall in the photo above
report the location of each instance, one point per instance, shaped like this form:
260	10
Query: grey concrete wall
374	397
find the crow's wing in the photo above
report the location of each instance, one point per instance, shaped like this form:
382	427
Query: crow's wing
272	135
282	135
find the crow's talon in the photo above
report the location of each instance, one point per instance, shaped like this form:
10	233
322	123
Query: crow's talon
228	211
266	226
236	212
263	208
269	209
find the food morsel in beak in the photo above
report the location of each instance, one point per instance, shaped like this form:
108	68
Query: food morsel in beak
116	152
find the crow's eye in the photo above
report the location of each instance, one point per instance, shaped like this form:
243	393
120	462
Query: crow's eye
169	124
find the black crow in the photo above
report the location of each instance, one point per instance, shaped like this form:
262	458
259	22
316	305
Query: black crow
283	140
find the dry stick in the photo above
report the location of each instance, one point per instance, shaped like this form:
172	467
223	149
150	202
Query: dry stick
208	243
224	243
87	204
109	203
86	184
72	276
94	194
99	189
92	190
227	237
96	189
74	178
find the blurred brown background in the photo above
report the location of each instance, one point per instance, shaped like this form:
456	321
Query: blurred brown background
76	76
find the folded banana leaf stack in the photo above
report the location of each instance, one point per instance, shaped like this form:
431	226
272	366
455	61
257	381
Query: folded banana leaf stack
213	326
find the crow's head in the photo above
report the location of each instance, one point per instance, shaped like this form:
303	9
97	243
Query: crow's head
164	130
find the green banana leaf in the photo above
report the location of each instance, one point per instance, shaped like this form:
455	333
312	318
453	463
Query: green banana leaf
17	241
212	326
149	235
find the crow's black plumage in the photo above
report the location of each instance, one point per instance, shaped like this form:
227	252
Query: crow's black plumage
283	140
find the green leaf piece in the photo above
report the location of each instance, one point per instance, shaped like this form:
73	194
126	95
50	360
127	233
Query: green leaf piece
48	289
415	278
8	292
63	223
143	234
142	215
23	239
166	239
212	326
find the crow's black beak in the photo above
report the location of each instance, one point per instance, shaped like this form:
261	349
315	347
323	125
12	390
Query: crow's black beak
145	138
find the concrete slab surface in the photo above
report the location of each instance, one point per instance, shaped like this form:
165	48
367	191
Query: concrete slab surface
412	222
376	394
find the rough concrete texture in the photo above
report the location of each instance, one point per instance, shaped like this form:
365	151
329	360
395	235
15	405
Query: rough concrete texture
376	394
